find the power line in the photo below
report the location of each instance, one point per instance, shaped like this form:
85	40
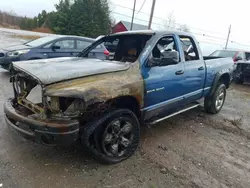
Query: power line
204	35
201	34
141	6
240	44
174	28
194	28
128	16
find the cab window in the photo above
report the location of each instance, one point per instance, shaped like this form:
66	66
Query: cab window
164	45
164	53
189	48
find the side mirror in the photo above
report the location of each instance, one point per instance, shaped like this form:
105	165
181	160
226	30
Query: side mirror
238	58
169	58
55	48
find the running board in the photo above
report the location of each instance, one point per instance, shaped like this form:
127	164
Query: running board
174	114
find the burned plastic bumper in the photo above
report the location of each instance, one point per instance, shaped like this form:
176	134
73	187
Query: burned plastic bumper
49	132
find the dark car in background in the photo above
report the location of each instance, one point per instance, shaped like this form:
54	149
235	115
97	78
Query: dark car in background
237	55
241	63
242	72
52	46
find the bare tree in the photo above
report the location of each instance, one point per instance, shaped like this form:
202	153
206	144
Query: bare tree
184	28
112	21
170	23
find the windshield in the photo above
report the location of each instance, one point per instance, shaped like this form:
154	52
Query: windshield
124	47
223	53
40	41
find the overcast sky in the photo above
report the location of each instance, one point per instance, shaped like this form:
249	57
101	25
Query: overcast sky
210	17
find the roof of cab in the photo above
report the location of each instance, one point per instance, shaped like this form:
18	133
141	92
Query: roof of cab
151	32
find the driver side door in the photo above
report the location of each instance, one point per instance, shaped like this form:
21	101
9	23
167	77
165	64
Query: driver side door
163	84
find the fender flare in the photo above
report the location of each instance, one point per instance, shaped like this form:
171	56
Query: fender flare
217	79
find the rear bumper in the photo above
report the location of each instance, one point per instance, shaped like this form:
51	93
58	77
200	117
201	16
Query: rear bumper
50	132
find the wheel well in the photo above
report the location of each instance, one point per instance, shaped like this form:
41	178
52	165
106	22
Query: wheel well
225	78
127	102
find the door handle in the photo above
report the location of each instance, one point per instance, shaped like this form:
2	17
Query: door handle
201	68
179	72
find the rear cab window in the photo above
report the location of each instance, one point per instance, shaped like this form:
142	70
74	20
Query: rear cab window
189	48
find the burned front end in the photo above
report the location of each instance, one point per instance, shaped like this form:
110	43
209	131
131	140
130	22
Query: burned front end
44	119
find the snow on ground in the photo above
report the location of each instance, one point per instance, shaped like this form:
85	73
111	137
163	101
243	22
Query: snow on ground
10	36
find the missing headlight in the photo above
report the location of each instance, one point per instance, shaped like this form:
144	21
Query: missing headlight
68	107
76	107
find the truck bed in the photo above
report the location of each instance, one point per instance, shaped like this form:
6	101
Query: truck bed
210	57
215	65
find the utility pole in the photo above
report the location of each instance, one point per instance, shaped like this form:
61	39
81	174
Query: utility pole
151	14
229	31
132	21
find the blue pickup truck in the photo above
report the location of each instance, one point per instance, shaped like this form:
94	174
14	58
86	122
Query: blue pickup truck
102	103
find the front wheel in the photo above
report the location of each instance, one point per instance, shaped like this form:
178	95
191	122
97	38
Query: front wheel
114	137
214	103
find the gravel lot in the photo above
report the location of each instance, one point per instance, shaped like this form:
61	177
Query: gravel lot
190	150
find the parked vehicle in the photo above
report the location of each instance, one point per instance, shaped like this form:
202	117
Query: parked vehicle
104	102
49	47
237	55
242	72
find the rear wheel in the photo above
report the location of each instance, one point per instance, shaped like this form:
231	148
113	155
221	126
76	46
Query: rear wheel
114	137
214	103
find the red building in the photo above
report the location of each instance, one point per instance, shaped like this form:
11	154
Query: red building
125	26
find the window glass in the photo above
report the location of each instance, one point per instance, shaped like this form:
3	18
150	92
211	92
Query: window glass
41	41
48	45
247	56
189	48
123	48
82	44
241	54
165	44
65	44
111	45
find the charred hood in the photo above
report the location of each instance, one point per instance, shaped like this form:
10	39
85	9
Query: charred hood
60	69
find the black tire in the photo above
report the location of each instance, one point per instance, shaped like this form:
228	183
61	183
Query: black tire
210	104
109	146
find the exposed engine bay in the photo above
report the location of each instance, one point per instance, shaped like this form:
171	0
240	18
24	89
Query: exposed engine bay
40	105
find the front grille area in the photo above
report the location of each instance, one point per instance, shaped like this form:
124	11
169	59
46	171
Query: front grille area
28	93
